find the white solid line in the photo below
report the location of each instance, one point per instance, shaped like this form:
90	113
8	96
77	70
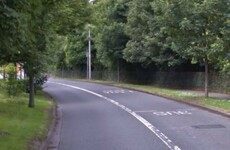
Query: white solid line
152	128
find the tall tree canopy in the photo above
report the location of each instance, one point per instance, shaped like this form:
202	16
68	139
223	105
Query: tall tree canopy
147	45
196	28
26	25
75	14
149	32
110	38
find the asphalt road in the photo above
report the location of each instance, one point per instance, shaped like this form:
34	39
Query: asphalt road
101	117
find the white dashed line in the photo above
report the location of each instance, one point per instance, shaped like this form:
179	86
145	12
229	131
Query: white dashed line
152	128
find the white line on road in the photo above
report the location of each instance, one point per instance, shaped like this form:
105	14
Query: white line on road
152	128
172	113
145	111
152	111
178	112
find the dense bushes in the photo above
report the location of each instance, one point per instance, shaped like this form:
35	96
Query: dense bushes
12	86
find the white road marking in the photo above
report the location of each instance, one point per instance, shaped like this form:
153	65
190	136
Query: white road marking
119	91
171	113
145	111
165	113
152	128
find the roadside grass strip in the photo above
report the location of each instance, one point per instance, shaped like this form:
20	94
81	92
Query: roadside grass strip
23	128
191	97
183	96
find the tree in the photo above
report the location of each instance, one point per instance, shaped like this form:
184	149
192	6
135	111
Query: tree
74	14
147	45
69	37
75	52
11	25
34	57
110	38
195	28
25	26
23	29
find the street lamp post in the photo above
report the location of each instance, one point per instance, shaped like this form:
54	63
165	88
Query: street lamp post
87	64
89	51
89	57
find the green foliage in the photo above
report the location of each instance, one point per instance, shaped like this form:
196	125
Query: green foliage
53	34
195	27
67	41
68	16
138	28
147	44
10	71
23	29
11	85
110	38
10	37
110	44
75	51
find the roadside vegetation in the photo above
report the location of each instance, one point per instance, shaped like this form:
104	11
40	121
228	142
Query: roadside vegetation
135	39
23	128
127	36
141	39
193	98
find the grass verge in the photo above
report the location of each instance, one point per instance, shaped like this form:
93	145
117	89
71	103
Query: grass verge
188	97
23	128
217	104
213	103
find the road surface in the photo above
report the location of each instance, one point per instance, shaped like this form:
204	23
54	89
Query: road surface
101	117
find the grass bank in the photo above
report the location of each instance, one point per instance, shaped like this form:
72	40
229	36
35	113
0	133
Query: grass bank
217	104
213	103
23	128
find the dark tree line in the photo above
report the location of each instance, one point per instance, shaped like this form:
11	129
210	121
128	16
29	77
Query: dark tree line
164	33
159	34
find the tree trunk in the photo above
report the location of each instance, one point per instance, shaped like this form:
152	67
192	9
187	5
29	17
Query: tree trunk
31	94
4	73
206	77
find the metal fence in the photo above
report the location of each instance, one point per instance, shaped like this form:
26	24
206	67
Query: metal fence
181	80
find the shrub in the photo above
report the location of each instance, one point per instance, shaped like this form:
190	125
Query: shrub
11	85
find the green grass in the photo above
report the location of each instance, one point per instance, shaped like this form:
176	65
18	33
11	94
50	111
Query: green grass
20	126
212	103
225	105
183	96
176	94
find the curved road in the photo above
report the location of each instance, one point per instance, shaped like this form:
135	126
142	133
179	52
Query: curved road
101	117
